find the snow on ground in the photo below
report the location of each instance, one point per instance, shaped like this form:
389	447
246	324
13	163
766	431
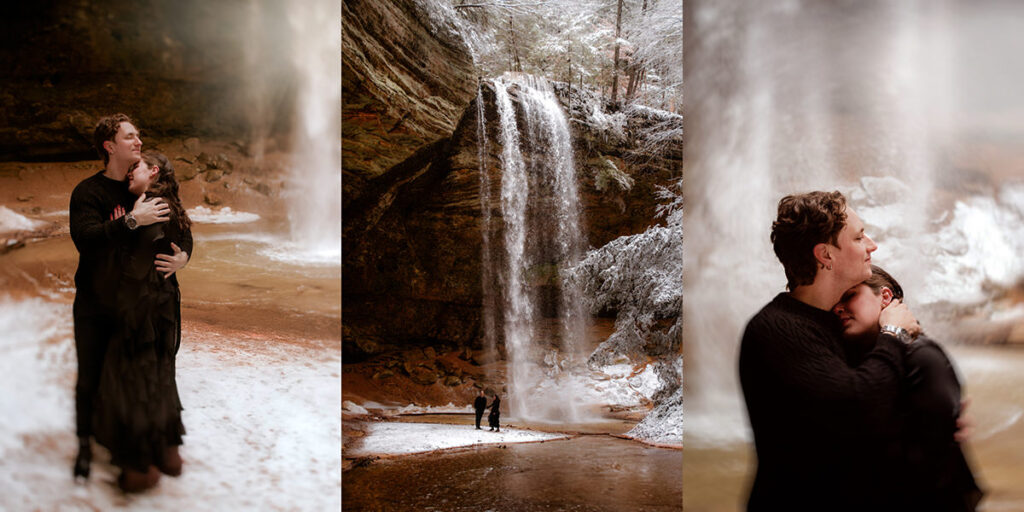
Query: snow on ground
403	438
264	424
11	221
397	409
435	409
664	425
353	407
223	215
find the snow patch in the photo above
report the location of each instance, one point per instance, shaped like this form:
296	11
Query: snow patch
349	406
435	409
663	425
11	221
223	215
402	438
647	382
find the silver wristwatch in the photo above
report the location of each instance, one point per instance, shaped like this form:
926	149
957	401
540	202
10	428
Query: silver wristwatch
897	331
129	220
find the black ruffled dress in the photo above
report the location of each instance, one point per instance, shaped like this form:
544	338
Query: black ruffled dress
138	411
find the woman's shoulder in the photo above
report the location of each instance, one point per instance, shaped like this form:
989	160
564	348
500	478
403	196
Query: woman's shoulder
925	351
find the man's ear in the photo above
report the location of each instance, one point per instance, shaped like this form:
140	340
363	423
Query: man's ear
886	296
822	255
110	148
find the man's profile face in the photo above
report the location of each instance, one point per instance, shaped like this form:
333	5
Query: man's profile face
852	257
126	146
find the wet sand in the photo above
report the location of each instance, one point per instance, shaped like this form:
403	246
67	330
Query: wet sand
588	473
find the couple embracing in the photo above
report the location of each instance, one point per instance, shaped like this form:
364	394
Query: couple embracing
132	235
851	406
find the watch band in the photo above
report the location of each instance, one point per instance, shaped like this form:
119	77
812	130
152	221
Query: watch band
129	220
897	331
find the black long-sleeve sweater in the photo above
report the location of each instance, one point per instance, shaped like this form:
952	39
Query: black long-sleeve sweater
98	238
826	435
938	477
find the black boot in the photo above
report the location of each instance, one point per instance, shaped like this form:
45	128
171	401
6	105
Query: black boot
81	468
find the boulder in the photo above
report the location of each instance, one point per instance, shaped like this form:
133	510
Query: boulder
192	145
213	175
186	172
205	161
423	376
221	162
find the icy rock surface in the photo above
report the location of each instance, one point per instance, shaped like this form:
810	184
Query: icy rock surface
664	425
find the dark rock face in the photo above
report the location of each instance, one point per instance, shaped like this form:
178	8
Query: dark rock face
177	68
411	182
412	262
407	75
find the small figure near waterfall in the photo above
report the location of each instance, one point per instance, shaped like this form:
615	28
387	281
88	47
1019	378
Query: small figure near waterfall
826	435
480	405
938	477
495	415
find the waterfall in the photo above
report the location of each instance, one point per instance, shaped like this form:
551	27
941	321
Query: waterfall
314	190
490	308
794	99
542	236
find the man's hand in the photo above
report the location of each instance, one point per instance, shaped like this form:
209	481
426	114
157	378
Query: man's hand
964	423
169	264
897	313
118	212
150	212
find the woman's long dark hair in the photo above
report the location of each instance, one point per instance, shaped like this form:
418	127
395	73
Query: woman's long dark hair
166	186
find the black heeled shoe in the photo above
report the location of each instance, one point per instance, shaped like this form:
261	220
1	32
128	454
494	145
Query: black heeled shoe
83	460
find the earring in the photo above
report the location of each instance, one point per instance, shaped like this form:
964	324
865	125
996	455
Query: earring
828	267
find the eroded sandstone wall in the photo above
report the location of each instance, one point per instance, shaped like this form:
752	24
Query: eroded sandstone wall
412	271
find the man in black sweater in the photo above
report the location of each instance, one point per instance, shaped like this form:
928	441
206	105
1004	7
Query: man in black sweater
98	225
480	404
826	434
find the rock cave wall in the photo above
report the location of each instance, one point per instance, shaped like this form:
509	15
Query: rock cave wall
412	214
177	68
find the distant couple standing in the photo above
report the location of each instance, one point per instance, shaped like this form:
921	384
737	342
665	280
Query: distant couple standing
851	406
132	235
493	419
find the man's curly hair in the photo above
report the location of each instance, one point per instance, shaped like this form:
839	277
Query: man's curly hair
803	221
105	130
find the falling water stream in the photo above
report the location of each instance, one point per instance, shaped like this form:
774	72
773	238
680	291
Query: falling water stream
542	234
291	52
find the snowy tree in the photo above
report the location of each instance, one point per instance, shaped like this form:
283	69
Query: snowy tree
577	42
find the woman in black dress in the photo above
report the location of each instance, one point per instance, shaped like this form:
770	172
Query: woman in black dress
138	411
938	477
495	415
